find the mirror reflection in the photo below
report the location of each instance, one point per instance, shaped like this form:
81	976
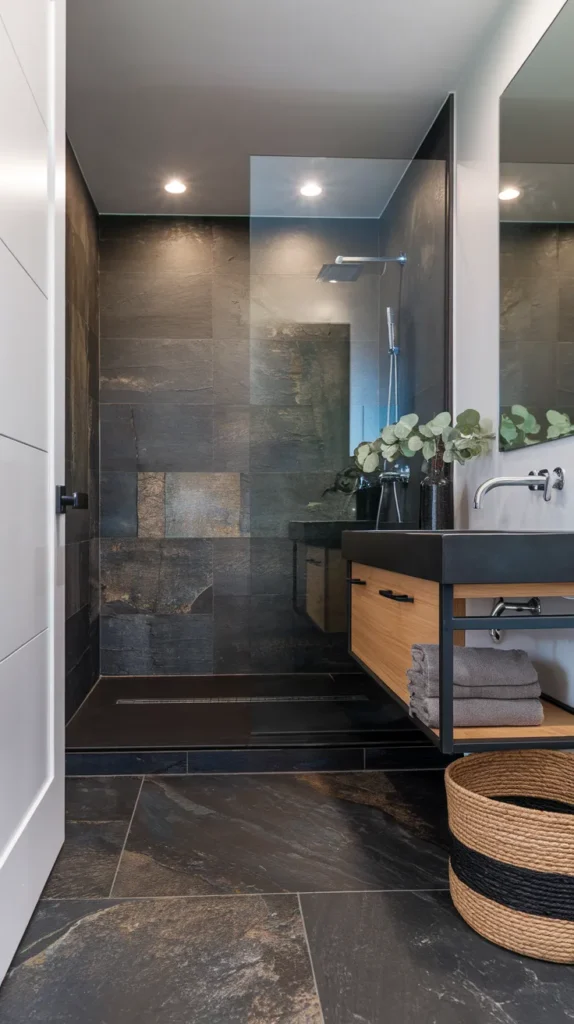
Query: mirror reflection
537	244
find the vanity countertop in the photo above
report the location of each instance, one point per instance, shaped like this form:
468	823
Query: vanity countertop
466	556
326	534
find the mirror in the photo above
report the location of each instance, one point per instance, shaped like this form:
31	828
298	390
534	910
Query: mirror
537	243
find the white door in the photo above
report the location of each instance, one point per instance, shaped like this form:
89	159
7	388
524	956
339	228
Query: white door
32	370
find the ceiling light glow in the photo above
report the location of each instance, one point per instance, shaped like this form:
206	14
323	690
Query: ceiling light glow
510	192
310	189
175	186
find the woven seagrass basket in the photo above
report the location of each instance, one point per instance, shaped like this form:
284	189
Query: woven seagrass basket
511	816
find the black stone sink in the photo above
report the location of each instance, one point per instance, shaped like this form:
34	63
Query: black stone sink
466	556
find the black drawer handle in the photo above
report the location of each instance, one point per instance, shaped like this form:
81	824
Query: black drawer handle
313	561
359	583
397	597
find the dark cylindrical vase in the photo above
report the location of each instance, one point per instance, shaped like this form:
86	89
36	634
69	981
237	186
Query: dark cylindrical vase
436	506
368	501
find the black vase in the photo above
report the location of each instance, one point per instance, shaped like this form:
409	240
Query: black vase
436	507
368	501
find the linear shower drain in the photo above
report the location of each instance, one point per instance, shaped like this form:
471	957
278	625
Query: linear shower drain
325	699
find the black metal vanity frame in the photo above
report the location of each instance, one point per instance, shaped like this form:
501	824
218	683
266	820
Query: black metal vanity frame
448	623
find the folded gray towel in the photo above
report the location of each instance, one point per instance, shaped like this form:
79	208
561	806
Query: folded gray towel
420	686
479	712
477	666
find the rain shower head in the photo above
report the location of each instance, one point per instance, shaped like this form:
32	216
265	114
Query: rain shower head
348	268
335	273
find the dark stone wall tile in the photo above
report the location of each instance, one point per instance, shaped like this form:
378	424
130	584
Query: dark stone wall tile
156	576
119	504
231	246
203	505
168	245
156	438
231	566
151	505
157	644
77	636
158	370
232	642
287	440
94	577
77	576
118	438
271	566
231	437
231	372
153	303
79	681
230	302
279	498
173	438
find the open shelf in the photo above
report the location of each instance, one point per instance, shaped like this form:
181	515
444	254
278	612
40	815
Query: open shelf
558	724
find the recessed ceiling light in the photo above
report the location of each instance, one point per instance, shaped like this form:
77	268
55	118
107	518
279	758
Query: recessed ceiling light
175	186
310	189
511	192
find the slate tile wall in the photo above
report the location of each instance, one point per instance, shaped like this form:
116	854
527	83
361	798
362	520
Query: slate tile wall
537	317
82	437
215	433
415	222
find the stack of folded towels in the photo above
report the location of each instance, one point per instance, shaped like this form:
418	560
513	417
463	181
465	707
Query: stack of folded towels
491	687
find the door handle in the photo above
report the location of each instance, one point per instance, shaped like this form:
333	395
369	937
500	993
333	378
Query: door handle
78	499
359	583
404	598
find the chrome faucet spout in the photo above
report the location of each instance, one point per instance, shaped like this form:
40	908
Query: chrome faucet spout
540	481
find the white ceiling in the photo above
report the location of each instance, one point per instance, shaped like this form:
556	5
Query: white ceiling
351	188
194	88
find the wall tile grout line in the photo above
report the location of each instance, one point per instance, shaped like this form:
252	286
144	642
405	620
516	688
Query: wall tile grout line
126	838
241	895
311	964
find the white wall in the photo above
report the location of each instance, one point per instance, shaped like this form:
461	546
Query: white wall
476	315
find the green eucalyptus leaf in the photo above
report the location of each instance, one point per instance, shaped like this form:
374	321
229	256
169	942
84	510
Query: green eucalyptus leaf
388	435
553	431
390	452
521	411
415	443
377	444
425	430
405	450
449	455
556	418
410	420
448	433
442	420
468	419
402	430
371	463
429	449
508	429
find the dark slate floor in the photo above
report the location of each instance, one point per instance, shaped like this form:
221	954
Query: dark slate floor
162	712
265	899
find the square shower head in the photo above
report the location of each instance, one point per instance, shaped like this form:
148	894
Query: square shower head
338	272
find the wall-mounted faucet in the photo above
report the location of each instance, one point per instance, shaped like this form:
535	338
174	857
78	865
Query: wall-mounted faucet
541	481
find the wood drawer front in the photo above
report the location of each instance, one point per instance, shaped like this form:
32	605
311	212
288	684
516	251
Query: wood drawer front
326	591
383	631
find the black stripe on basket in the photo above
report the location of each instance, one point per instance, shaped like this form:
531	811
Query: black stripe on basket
532	892
538	803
